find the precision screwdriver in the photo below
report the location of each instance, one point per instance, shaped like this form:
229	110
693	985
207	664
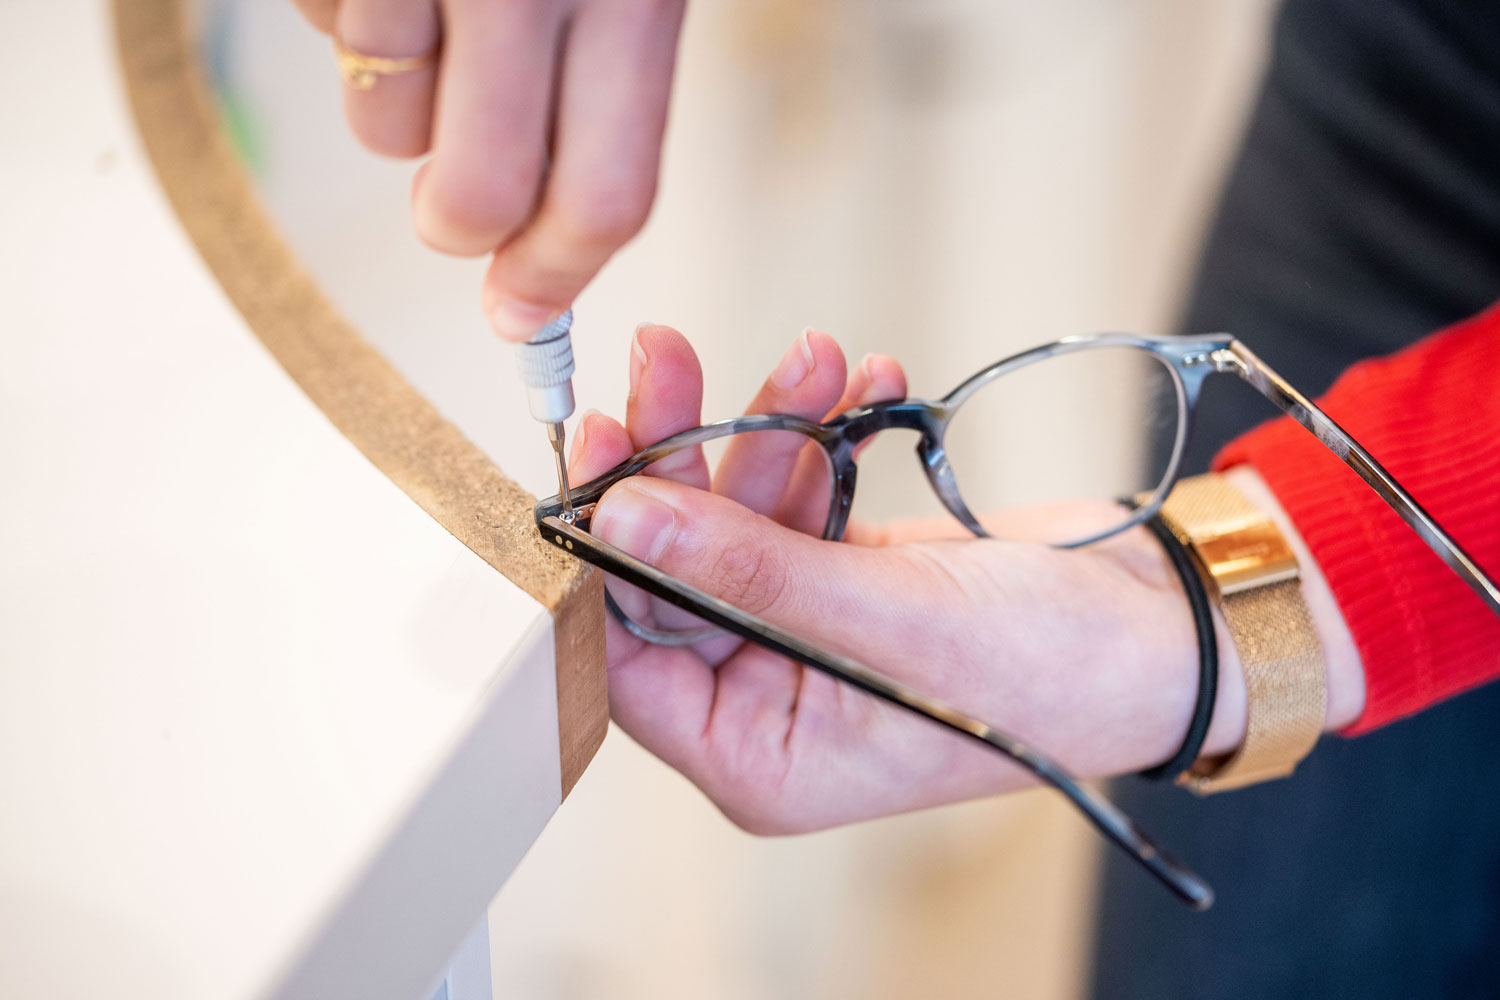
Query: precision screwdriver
546	363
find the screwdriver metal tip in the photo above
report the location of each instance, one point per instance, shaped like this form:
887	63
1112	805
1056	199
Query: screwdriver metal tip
558	436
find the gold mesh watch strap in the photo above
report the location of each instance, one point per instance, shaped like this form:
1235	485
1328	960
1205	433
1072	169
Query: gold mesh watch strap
1249	565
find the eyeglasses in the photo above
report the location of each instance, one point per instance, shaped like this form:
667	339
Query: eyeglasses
1162	378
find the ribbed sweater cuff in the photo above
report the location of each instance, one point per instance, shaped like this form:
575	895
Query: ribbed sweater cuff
1430	415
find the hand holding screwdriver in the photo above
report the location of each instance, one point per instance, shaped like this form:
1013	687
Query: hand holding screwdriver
544	122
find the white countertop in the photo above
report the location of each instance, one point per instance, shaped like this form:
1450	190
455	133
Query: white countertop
263	723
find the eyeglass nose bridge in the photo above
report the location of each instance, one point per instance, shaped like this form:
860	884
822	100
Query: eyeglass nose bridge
929	420
855	426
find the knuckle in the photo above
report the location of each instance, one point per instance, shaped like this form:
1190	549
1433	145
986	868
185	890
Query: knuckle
750	577
473	216
606	216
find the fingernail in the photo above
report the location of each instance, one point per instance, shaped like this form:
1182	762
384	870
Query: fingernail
580	435
518	321
638	358
866	374
795	363
862	381
633	518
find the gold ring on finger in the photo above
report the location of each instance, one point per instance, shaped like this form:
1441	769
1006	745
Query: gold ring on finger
361	71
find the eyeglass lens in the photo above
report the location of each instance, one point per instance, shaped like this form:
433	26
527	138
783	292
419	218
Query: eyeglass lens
1043	452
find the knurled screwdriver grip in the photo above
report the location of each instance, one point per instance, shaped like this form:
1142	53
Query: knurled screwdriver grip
546	365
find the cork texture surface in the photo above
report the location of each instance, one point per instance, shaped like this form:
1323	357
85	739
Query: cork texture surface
369	402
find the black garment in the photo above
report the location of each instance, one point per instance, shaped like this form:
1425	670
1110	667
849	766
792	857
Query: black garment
1364	213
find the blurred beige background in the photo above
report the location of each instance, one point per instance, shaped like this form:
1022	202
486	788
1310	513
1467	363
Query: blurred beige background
941	180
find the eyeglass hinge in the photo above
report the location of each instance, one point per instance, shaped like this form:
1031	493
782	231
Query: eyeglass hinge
575	514
1225	361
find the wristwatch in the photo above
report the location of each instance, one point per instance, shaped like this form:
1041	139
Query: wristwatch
1252	573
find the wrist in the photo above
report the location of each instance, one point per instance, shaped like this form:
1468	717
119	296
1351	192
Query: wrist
1178	668
1345	672
1159	628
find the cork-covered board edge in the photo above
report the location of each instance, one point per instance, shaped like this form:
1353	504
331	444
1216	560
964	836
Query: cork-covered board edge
369	402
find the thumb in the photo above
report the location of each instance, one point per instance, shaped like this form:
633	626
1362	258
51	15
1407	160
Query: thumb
854	599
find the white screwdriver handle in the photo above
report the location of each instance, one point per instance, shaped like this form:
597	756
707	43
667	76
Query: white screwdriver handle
546	363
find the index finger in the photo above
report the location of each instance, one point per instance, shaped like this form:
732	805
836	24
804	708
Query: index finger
611	115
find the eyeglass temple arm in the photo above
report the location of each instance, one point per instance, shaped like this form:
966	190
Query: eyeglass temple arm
1115	825
1238	359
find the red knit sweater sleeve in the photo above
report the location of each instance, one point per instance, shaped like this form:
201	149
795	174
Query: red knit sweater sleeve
1431	415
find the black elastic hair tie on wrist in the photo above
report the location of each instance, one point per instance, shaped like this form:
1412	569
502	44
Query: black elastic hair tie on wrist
1208	650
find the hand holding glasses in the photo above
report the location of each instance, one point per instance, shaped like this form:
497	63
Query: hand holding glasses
1154	382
